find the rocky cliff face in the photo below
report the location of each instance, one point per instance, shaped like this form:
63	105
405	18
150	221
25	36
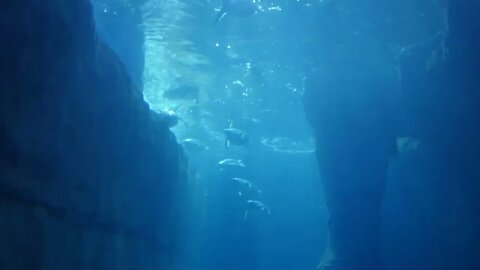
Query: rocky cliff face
431	207
89	177
430	216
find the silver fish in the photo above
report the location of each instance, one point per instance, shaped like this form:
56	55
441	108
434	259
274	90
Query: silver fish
230	163
194	145
254	205
235	136
248	184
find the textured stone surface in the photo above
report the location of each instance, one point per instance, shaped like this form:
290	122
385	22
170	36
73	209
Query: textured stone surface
88	175
430	211
432	204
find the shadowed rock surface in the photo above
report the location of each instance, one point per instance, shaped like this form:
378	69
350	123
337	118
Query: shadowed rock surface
431	211
430	215
88	176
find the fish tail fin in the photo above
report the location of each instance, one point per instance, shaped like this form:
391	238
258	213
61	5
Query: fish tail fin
220	15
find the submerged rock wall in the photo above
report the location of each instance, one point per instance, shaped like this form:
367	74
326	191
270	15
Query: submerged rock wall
348	101
430	217
89	178
432	213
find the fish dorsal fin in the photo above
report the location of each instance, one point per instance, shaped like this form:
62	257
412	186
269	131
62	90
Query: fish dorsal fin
183	121
177	108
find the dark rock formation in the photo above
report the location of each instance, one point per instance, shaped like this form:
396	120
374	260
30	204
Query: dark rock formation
89	177
432	211
349	106
431	215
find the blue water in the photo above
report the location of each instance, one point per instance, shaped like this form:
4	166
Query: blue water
250	72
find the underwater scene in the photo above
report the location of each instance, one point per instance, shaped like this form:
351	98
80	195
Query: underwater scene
240	134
